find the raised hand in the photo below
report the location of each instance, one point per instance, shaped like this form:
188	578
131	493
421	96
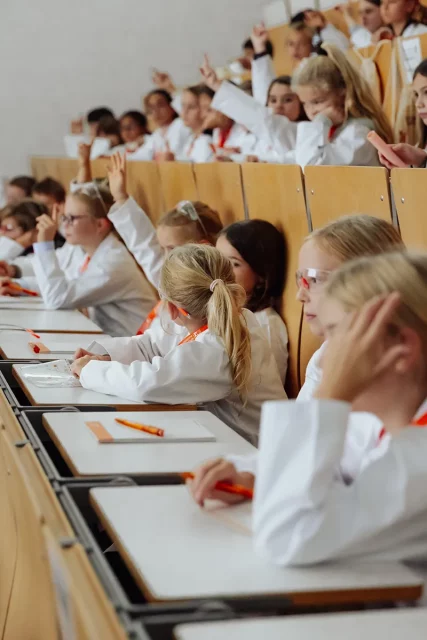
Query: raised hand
46	228
76	126
202	487
117	177
259	37
209	75
162	80
359	351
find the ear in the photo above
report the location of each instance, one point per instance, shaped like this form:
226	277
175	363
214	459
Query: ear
412	341
103	224
173	311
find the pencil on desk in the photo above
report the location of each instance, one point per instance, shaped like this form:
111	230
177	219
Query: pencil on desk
17	287
35	348
154	431
236	489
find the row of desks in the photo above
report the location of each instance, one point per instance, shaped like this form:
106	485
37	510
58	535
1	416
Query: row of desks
175	551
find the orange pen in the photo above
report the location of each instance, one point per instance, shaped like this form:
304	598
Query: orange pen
236	489
17	287
154	431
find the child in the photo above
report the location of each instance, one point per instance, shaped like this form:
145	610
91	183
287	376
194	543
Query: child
109	127
49	192
92	118
93	269
414	156
19	188
371	27
133	129
224	363
337	101
398	15
170	135
18	229
304	512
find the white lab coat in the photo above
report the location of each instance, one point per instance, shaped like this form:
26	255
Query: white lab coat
113	289
277	336
198	149
313	375
414	29
360	37
176	135
196	372
305	513
9	249
303	143
239	139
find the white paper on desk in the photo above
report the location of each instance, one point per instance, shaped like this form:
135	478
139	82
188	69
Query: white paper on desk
52	374
411	56
176	430
237	517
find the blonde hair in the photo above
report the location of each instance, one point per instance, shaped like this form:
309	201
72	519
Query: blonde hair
187	275
205	224
96	197
350	237
358	281
334	72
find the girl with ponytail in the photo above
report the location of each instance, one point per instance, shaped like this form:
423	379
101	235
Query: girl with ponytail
338	102
224	363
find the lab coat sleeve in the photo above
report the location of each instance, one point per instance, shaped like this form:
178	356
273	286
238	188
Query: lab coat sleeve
92	288
332	35
349	147
145	152
177	103
262	76
127	350
304	513
9	249
139	235
191	373
244	463
276	131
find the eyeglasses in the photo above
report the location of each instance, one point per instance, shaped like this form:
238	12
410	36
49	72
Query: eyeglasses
311	279
71	219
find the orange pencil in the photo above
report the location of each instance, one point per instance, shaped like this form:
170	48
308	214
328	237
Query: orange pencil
142	427
17	287
236	489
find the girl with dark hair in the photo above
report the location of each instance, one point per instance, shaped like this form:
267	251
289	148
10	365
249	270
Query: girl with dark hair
133	129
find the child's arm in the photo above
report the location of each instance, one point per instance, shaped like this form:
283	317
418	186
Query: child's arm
133	224
262	66
84	171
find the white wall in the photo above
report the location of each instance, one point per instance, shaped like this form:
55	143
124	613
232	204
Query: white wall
60	58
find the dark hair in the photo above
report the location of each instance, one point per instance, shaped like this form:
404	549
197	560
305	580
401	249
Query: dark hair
268	46
109	126
159	92
26	213
138	117
26	183
421	70
96	114
287	82
263	247
204	90
377	3
50	187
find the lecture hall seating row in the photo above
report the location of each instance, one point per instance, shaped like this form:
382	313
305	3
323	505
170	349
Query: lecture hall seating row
281	194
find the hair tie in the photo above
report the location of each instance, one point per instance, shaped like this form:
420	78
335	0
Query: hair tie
214	283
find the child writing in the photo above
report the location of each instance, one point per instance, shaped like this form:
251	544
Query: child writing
93	269
374	311
224	363
337	101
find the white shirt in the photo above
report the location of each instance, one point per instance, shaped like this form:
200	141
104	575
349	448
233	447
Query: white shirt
313	375
303	143
112	287
414	29
305	513
360	37
176	136
9	249
198	149
196	372
277	335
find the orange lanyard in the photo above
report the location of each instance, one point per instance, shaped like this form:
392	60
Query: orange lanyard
193	336
149	319
332	131
191	147
223	137
419	422
85	265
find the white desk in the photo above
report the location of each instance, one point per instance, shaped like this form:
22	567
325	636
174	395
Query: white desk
77	396
62	321
85	456
377	625
177	551
14	345
23	302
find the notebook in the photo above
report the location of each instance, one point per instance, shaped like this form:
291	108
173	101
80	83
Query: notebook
177	430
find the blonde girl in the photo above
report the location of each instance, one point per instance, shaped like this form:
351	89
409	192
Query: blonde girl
376	361
338	102
224	363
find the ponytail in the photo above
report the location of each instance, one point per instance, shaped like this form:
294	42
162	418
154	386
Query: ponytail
199	279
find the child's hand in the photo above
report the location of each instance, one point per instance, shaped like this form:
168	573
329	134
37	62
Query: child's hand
359	352
314	19
163	81
117	177
406	152
76	126
84	152
7	270
335	114
202	487
80	353
46	228
209	75
5	288
77	366
259	37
